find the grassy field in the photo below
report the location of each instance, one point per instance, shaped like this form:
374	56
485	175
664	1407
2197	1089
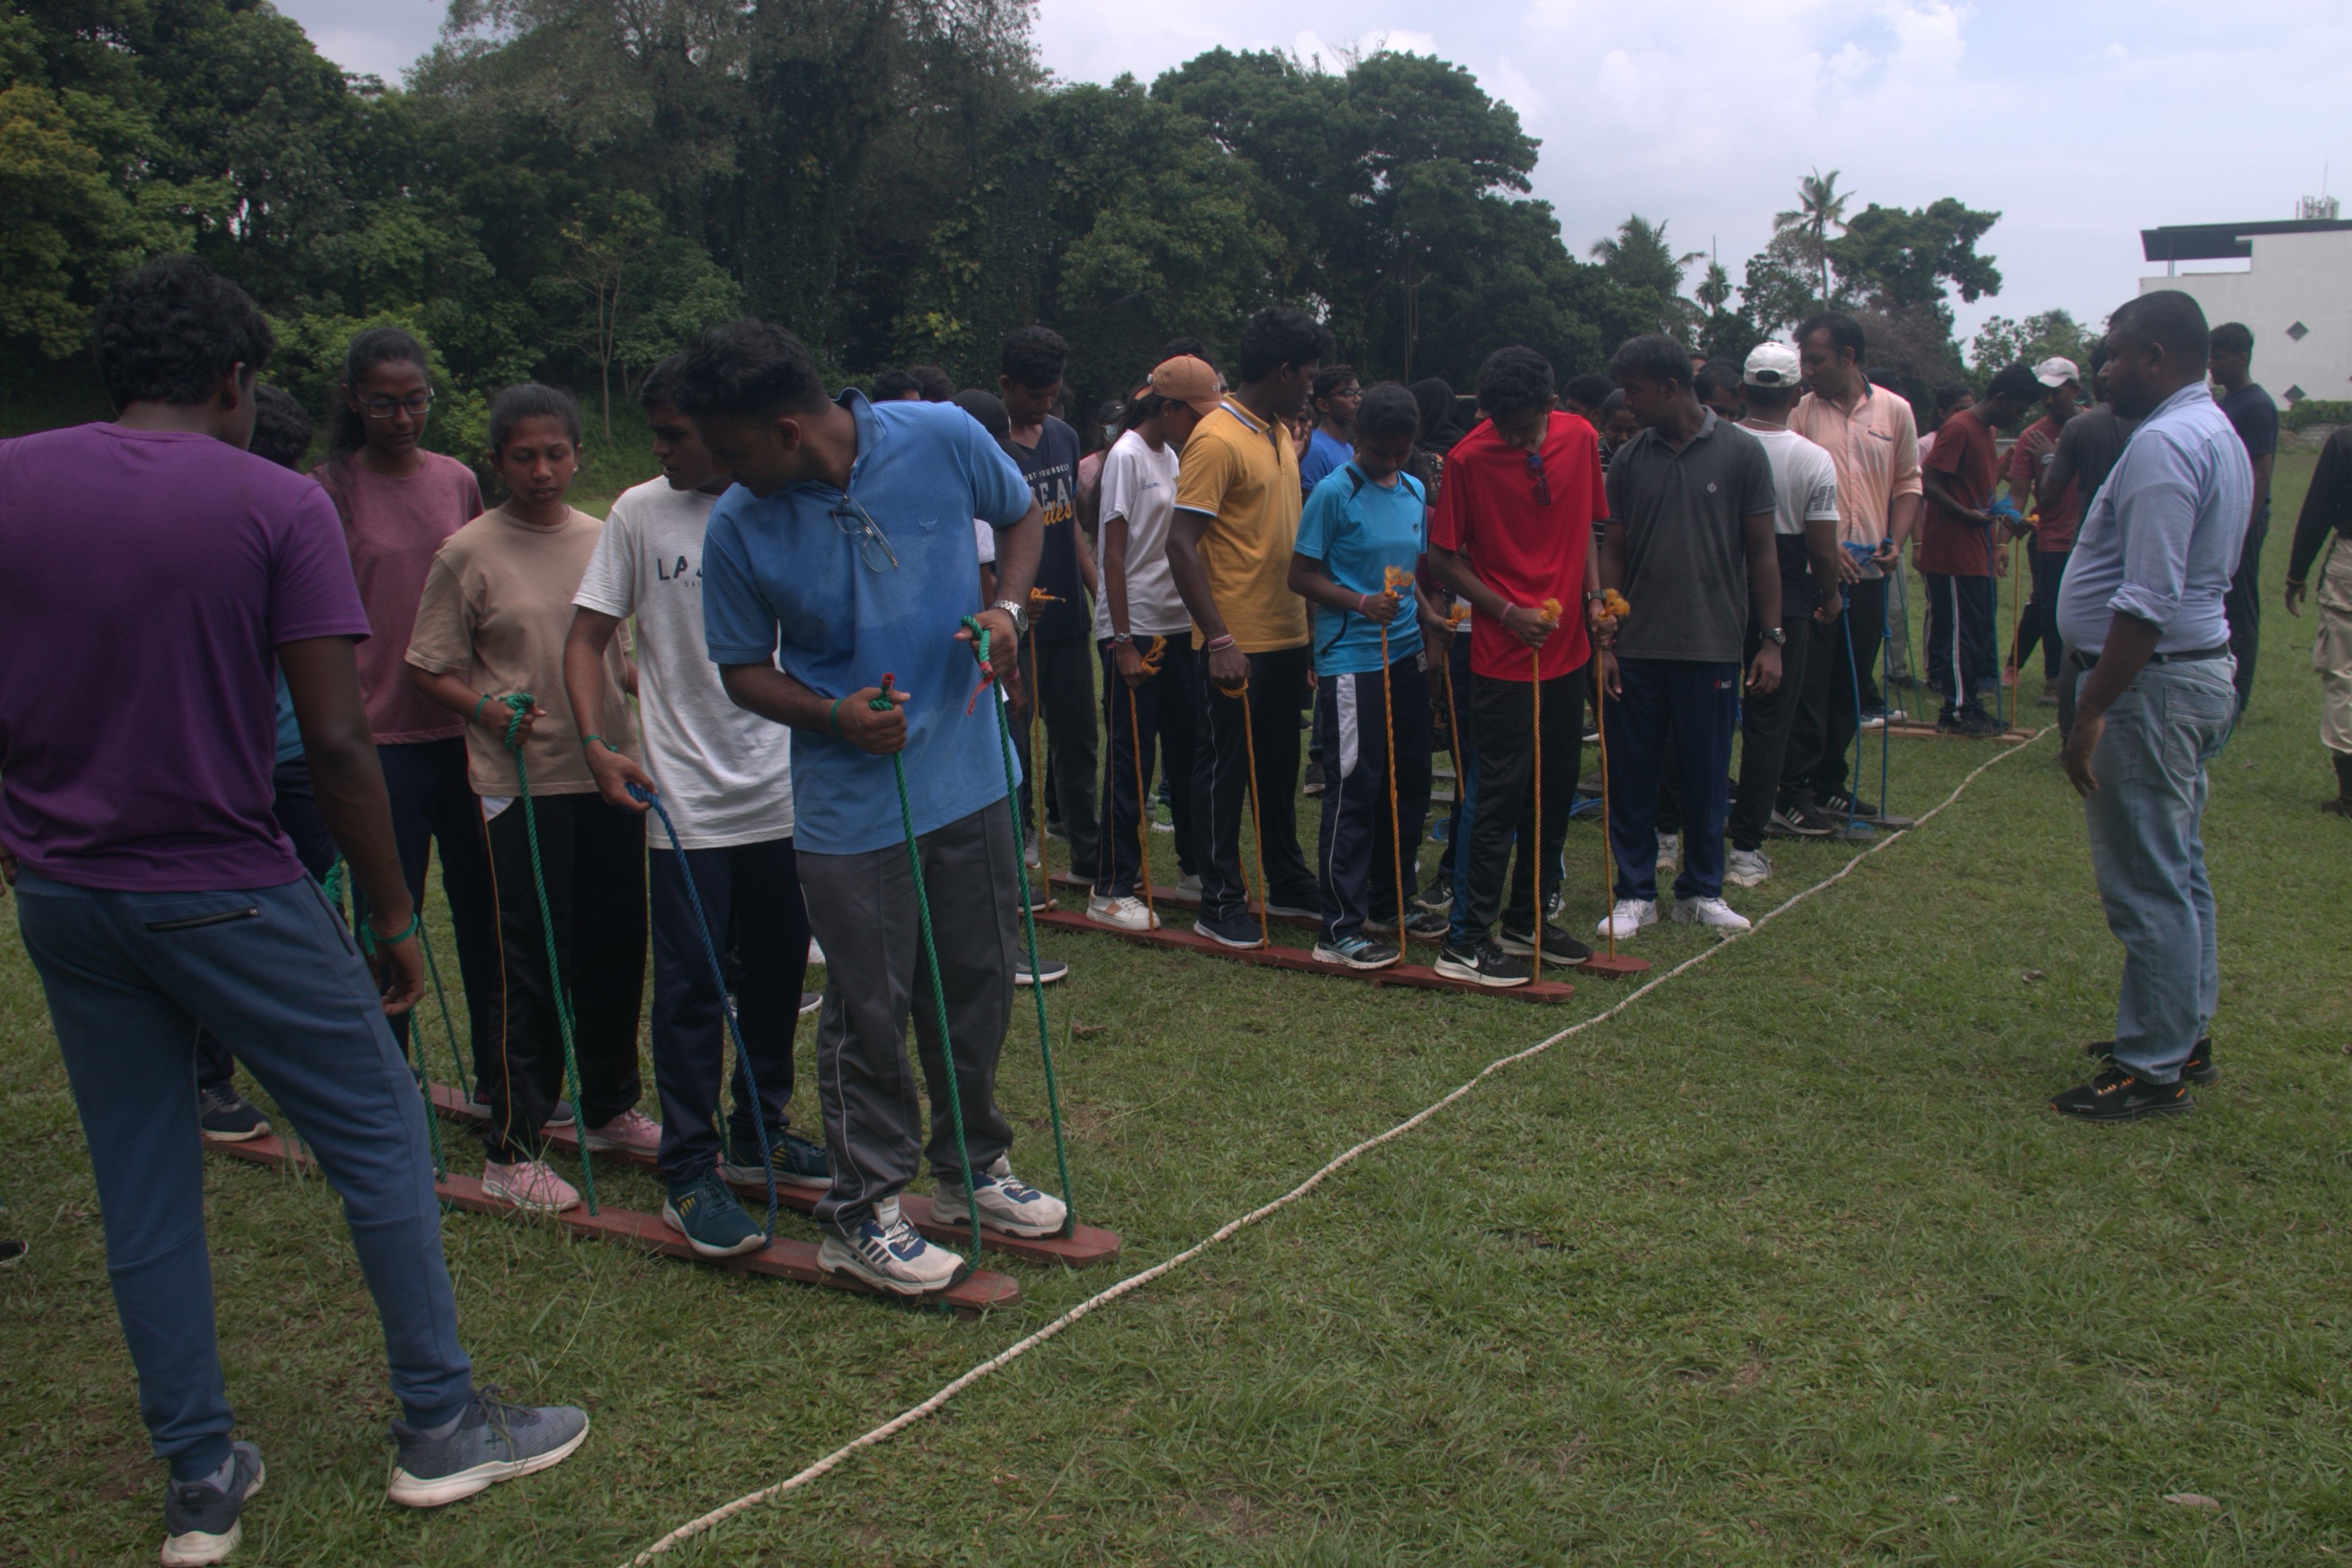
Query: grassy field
1791	1264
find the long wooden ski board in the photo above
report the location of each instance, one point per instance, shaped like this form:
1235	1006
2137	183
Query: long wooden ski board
1089	1245
978	1293
1420	976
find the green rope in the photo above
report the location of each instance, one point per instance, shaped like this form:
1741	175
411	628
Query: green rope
417	1065
521	703
882	704
979	635
465	1079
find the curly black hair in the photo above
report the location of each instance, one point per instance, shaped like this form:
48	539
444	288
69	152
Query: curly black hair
2016	382
1331	379
891	386
1591	389
1033	357
1512	381
1654	356
282	431
935	384
659	387
1389	410
169	332
1278	336
749	367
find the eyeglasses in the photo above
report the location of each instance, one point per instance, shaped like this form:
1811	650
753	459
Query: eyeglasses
858	523
385	407
1536	473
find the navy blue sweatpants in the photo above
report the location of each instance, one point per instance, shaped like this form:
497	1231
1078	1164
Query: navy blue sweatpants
756	890
1697	704
130	977
1361	849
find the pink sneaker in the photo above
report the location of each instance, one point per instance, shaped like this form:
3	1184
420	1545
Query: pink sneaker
631	1132
530	1184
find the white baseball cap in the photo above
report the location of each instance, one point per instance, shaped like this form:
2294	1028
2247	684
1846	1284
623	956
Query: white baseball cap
2056	373
1771	365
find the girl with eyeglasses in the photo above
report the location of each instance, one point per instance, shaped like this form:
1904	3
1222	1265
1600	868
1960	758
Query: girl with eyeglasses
399	504
491	626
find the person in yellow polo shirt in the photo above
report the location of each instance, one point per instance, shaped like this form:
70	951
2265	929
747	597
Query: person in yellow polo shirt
1229	547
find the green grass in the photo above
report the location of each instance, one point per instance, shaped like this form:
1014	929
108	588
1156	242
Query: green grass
1788	1265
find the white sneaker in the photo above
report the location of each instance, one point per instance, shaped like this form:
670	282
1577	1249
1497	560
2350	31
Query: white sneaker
1709	912
529	1185
1029	856
1630	916
631	1132
1190	882
1006	1203
885	1252
1127	913
1670	851
1746	868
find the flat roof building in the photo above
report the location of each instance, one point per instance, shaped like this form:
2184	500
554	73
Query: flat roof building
2297	298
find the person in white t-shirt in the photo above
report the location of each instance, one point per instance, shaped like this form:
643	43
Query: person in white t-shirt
1146	679
724	776
1805	528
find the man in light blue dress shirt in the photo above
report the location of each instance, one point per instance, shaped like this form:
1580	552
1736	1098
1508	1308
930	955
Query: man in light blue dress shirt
2148	700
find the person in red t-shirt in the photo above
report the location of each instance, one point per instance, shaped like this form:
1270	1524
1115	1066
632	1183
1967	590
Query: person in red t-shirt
2055	510
1956	549
1512	528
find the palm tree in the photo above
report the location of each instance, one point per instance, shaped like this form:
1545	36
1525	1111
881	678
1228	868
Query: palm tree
1819	204
1640	257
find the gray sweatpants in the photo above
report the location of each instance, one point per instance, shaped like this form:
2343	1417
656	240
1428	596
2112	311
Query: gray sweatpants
861	909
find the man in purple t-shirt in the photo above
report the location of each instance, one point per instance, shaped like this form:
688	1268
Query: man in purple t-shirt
154	888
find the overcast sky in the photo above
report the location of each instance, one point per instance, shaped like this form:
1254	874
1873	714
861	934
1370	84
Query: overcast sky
2081	123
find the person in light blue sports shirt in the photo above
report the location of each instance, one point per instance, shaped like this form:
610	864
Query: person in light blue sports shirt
1364	528
843	555
1337	395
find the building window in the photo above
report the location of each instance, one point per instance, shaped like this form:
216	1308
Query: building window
2298	332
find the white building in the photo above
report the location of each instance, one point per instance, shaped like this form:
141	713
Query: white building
2296	297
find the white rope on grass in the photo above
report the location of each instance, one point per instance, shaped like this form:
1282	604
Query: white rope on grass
1019	1348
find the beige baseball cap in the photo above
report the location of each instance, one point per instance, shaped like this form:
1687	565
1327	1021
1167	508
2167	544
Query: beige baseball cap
1186	379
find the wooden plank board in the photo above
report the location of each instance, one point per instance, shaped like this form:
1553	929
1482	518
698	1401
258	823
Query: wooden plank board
1909	727
974	1294
1175	898
1417	975
1086	1247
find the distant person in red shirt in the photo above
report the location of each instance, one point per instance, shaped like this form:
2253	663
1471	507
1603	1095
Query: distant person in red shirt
1958	545
2055	509
1513	528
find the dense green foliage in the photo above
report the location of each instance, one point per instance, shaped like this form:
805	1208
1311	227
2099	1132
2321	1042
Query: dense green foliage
566	188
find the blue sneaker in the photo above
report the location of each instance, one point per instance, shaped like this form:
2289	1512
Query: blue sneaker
885	1251
1231	931
492	1442
1359	952
1049	969
203	1520
708	1215
1006	1203
796	1162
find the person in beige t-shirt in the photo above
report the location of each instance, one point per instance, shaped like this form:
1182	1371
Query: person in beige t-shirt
496	608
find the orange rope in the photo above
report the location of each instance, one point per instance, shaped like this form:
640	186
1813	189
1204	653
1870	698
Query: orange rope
1550	612
1142	802
1038	600
1396	578
1257	820
2016	620
1612	605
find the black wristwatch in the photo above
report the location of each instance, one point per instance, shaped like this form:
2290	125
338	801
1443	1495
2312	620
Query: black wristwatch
1775	636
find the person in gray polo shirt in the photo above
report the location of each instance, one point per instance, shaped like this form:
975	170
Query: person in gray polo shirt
2147	698
1689	538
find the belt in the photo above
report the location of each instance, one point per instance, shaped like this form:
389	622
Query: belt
2216	651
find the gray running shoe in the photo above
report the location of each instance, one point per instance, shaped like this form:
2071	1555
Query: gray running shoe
203	1522
493	1442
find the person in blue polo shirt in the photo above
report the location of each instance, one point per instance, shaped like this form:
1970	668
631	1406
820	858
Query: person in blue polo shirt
844	553
1365	528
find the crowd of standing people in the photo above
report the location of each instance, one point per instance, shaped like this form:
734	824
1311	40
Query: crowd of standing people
771	676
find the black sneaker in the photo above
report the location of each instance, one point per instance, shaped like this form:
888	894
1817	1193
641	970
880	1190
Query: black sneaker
1421	925
810	1002
11	1251
1482	964
1230	931
1314	783
226	1117
2119	1096
2197	1068
1973	723
1845	803
1802	820
1437	897
202	1522
1558	947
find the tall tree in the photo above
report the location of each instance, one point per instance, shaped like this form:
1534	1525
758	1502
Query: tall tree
1639	256
1820	204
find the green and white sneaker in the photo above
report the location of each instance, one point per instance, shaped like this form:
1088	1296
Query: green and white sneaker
796	1162
713	1223
1006	1203
492	1442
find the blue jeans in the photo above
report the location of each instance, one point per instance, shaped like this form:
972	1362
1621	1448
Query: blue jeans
2144	818
753	890
271	971
1697	704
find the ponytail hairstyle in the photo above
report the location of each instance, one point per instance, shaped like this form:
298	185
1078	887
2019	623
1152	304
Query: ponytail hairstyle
529	400
1141	407
377	345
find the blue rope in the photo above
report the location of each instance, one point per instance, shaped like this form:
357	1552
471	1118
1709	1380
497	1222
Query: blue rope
718	978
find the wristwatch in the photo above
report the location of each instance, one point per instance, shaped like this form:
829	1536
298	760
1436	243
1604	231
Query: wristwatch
1019	612
1775	636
